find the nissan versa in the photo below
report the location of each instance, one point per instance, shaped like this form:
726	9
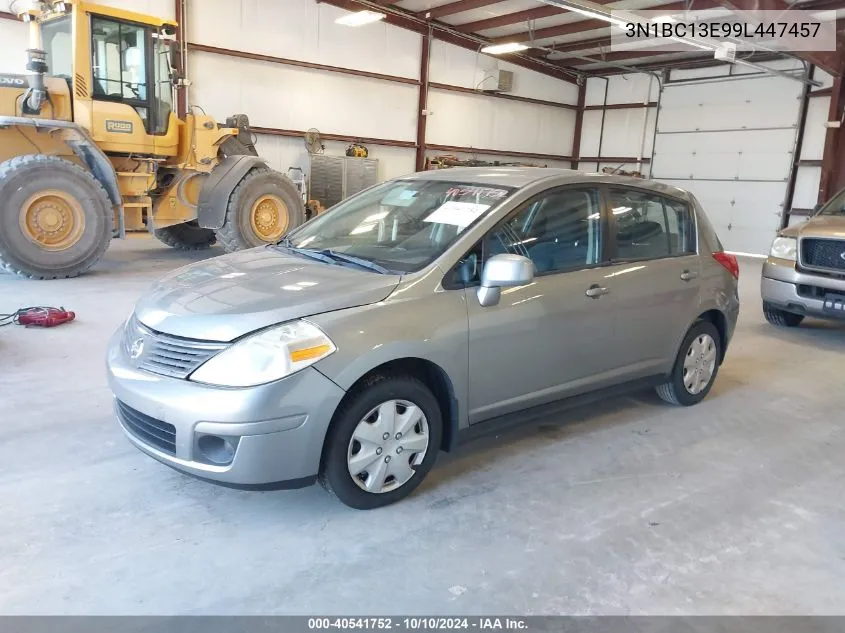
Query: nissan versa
378	333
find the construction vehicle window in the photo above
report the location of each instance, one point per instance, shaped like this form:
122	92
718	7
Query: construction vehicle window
57	43
119	61
163	85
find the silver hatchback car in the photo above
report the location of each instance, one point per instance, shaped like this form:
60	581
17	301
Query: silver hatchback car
416	313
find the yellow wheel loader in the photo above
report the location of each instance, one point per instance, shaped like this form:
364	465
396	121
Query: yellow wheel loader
91	146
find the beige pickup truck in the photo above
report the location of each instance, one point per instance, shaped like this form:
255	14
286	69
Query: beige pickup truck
805	272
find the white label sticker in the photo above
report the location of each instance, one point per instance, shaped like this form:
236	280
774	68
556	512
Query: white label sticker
401	198
460	214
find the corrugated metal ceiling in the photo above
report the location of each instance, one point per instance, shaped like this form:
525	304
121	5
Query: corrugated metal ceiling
542	25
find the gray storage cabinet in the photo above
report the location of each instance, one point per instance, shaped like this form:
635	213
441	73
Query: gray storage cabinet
335	178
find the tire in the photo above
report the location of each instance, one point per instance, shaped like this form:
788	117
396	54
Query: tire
84	206
335	473
188	236
674	391
781	318
237	232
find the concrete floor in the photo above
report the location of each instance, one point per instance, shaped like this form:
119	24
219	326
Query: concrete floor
632	507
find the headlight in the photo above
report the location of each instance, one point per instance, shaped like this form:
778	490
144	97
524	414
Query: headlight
266	356
784	248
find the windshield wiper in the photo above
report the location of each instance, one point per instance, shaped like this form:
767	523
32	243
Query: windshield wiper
306	252
358	261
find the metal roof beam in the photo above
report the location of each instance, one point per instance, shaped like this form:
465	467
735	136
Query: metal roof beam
454	7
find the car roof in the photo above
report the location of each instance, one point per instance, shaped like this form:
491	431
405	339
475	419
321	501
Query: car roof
523	176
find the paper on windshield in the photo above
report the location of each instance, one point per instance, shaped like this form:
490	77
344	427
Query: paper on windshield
400	198
460	214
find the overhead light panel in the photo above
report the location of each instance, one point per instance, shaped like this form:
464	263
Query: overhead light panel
595	14
501	49
360	18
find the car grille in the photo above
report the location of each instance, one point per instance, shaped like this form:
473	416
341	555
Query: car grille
164	354
823	253
149	430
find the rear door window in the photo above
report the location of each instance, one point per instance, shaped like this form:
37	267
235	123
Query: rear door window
650	226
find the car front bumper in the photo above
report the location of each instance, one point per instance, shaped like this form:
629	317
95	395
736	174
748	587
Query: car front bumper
798	292
269	436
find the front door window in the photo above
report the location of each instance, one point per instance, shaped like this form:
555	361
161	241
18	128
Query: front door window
163	85
119	53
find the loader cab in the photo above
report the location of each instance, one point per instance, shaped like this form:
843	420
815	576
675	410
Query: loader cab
122	77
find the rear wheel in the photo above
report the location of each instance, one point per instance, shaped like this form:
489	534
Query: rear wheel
262	208
55	217
383	442
188	236
779	317
695	367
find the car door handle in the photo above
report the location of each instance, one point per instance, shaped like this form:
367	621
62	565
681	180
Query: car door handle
595	291
688	275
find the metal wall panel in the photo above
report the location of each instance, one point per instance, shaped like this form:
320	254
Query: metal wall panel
812	147
283	152
458	66
493	158
630	88
731	143
162	8
478	121
806	187
304	30
15	39
299	98
625	133
591	133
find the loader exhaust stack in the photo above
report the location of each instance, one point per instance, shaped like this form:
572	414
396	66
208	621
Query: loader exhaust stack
37	67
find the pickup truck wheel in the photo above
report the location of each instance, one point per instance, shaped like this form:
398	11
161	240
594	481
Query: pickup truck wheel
56	220
779	317
383	441
695	367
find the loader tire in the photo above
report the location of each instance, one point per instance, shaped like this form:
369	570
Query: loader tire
262	208
56	220
188	236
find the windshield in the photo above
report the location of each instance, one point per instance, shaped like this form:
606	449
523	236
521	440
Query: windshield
57	43
401	225
834	206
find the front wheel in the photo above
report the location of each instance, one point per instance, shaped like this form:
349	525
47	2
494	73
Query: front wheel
383	442
262	208
696	366
55	217
779	317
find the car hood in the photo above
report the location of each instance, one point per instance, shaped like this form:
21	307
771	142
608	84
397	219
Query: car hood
226	297
819	226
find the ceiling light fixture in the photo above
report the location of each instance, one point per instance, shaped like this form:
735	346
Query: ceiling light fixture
360	18
501	49
597	15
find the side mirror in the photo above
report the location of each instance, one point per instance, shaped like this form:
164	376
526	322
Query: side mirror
502	271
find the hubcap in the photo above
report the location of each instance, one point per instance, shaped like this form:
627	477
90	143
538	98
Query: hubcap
269	218
52	219
699	364
386	445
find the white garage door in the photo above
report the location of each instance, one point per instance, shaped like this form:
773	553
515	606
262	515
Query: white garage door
730	143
